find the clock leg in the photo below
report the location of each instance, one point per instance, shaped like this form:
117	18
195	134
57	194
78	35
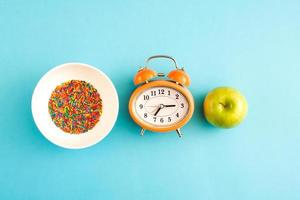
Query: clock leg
142	132
179	133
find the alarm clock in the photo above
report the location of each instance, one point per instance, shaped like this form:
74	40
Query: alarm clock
161	103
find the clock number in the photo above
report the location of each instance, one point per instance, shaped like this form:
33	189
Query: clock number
161	120
182	105
145	115
153	93
169	92
154	119
177	114
161	91
141	106
146	97
177	96
169	119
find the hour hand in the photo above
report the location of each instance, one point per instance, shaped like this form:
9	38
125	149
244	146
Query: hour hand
157	111
161	106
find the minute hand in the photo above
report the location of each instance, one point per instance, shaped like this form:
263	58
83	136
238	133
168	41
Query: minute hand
169	105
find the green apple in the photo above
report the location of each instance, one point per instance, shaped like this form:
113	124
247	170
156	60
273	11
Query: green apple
225	107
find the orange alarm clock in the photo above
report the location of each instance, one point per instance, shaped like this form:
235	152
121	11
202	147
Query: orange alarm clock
159	103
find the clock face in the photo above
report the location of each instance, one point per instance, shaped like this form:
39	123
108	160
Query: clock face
161	106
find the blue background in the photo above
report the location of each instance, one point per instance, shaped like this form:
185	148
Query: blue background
250	45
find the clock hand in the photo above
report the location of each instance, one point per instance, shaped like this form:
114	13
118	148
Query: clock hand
157	111
161	106
169	105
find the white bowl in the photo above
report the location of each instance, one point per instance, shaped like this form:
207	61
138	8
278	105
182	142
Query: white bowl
63	73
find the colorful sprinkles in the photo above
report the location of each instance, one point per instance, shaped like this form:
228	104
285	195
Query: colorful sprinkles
75	106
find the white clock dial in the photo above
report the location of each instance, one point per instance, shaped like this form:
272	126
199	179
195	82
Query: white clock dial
161	106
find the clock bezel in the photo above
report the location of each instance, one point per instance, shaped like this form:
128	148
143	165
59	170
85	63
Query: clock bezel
161	83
